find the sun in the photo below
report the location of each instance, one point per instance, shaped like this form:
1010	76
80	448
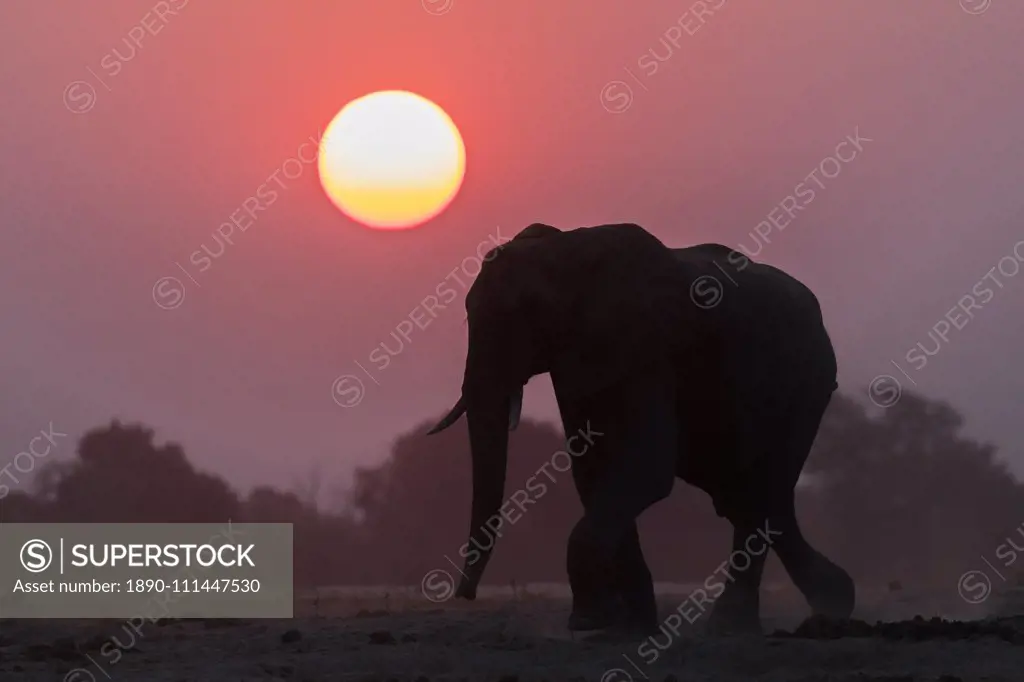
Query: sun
392	160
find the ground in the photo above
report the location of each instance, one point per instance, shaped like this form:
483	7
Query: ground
345	635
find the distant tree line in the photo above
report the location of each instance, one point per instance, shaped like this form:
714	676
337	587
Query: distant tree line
898	496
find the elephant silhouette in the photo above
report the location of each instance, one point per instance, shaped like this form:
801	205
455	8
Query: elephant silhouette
695	363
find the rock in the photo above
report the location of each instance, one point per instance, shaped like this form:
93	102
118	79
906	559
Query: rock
916	630
364	613
408	637
382	637
290	636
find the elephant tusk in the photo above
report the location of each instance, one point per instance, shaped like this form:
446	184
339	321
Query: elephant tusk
515	409
515	412
453	416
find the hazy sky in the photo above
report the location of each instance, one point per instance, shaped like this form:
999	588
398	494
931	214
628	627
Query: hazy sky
109	184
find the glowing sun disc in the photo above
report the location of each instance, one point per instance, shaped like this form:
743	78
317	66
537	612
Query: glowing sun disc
392	160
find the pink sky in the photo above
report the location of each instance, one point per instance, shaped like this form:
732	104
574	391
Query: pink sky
97	206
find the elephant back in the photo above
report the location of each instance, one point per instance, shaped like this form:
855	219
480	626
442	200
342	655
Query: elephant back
624	310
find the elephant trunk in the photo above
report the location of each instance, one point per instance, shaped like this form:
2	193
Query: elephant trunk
488	438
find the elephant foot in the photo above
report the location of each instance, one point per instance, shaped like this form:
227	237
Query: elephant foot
831	591
596	618
736	612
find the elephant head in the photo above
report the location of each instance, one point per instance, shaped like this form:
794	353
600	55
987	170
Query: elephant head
587	305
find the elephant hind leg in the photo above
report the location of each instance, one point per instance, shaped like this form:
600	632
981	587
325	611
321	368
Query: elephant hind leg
737	609
829	589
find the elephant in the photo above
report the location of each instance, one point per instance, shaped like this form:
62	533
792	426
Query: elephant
695	363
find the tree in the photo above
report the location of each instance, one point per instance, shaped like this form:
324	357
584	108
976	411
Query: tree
902	495
121	475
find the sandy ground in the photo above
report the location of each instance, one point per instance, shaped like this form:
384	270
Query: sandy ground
339	635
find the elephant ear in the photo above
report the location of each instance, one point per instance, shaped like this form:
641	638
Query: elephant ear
626	309
512	304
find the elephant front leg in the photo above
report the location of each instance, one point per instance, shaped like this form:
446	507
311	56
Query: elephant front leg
606	568
737	610
616	594
594	603
635	586
629	579
590	564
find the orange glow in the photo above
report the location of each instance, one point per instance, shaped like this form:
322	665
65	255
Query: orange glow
392	160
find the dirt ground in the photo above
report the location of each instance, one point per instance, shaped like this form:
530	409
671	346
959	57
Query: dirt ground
346	635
